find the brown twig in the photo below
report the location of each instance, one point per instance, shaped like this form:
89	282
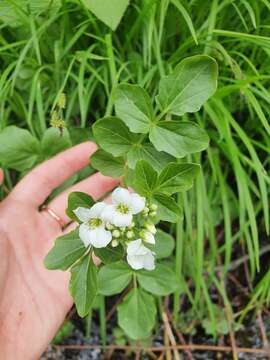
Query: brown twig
192	347
170	334
263	332
179	335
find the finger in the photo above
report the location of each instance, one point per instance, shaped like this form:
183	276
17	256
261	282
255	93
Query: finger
1	176
36	186
96	186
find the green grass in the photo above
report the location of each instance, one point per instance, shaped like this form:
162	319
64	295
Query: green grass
69	50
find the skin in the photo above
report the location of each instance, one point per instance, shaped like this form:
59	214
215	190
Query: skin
33	300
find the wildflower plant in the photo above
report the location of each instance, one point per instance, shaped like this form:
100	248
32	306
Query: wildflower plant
145	147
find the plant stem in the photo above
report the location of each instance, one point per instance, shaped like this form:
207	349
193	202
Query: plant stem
102	320
88	321
178	261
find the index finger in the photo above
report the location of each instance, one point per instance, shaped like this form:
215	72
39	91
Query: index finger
37	185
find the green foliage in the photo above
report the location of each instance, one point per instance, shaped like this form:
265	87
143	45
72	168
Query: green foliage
66	251
68	49
193	81
113	278
137	313
107	164
178	138
54	141
133	106
64	332
83	284
109	254
16	13
77	199
164	245
108	11
113	136
177	177
19	150
161	281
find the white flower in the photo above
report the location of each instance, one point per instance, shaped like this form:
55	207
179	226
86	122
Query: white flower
92	230
124	205
151	228
148	237
139	256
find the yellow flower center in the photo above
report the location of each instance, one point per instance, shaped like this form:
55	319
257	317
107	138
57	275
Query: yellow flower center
95	222
122	208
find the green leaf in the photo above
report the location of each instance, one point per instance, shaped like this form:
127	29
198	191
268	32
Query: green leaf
147	152
53	141
109	254
145	180
79	135
168	209
114	136
164	245
133	106
108	11
75	200
17	13
137	314
83	284
19	149
192	83
66	251
178	138
113	278
107	164
160	281
177	177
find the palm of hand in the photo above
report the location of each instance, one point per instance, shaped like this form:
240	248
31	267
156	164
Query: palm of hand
33	300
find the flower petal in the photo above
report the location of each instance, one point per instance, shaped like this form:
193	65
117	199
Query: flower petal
96	210
137	203
83	214
101	239
136	262
149	261
121	196
121	219
86	234
108	213
133	246
149	237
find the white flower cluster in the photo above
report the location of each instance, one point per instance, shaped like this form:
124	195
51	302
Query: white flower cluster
126	222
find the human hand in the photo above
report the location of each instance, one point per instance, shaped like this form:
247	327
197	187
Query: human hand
34	301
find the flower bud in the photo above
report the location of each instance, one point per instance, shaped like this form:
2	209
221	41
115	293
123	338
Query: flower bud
130	234
61	101
131	226
151	227
109	226
145	210
152	213
115	243
116	233
153	207
147	236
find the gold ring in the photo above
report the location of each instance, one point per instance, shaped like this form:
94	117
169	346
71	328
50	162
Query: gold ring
53	215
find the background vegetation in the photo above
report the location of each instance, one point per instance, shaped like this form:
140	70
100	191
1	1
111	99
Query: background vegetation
222	240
